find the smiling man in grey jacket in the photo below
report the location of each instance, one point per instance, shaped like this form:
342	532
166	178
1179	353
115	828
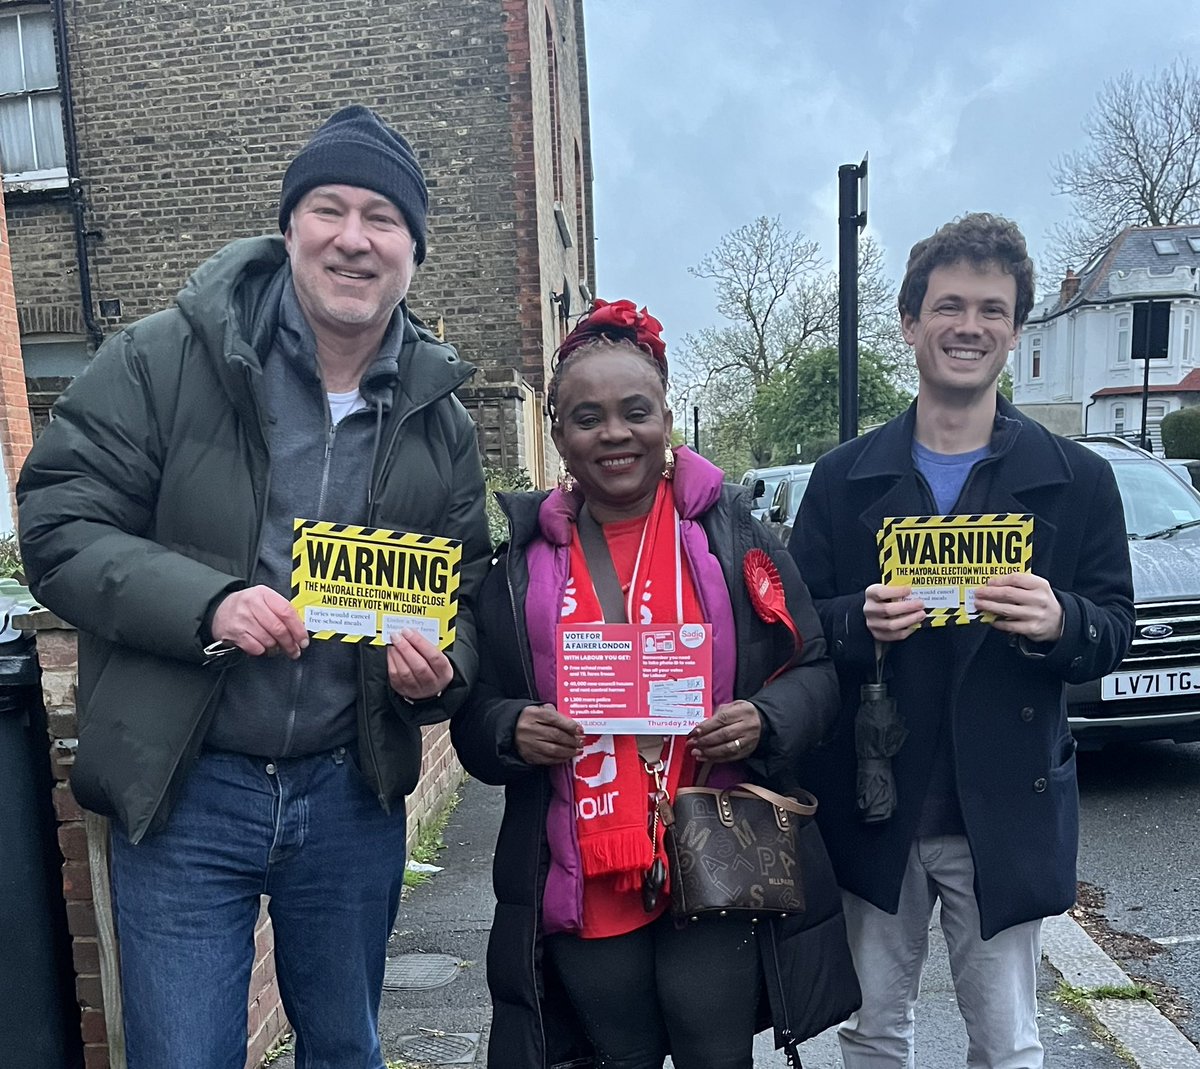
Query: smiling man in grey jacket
236	757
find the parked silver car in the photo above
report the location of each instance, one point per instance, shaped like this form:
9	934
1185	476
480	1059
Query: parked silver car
781	515
1155	691
762	483
1187	470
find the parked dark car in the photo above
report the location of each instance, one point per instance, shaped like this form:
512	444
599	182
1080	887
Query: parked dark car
781	515
1155	691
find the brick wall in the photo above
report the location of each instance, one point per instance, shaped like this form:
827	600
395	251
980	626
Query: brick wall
186	115
16	436
80	836
44	265
266	1021
441	775
82	839
57	656
536	27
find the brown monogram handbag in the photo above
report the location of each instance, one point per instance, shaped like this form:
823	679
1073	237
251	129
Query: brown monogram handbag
738	849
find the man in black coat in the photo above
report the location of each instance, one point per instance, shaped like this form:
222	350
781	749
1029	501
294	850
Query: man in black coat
987	813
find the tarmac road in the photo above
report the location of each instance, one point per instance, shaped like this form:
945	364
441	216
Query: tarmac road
1140	826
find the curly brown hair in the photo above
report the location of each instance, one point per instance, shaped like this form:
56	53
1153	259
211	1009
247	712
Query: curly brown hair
979	239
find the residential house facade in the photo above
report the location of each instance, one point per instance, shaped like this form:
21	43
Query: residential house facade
137	139
1073	369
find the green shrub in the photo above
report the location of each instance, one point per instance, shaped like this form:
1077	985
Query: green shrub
1181	433
501	479
817	448
10	559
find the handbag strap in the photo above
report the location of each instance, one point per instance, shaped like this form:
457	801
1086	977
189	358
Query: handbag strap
600	565
608	592
805	806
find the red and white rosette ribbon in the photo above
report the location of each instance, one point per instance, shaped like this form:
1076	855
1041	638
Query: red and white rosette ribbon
769	600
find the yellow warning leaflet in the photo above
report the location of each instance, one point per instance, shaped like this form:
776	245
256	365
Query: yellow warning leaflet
363	584
944	558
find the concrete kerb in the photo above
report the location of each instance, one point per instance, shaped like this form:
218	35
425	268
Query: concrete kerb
1151	1040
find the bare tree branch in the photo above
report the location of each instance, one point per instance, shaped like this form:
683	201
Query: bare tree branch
1141	166
780	299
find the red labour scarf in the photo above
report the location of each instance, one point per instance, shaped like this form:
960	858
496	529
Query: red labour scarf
613	790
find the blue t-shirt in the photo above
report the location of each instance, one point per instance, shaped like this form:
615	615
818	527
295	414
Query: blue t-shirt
946	473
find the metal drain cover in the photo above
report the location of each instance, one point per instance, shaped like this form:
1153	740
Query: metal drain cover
419	972
440	1048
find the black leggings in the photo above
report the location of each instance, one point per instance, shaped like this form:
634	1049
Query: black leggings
691	991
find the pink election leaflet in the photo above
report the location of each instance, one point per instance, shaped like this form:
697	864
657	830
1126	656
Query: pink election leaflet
635	679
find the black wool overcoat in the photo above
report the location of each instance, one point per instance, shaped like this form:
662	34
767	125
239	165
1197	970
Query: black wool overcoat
1001	699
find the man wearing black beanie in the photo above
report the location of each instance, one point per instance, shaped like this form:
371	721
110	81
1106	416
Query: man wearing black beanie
355	147
236	757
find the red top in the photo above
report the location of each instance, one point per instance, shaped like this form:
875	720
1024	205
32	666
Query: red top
607	911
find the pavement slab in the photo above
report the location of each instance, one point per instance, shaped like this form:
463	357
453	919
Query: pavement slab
451	915
1151	1040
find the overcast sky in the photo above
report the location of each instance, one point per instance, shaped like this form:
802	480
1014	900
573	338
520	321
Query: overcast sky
708	113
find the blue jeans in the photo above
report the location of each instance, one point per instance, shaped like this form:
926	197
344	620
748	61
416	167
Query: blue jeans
305	831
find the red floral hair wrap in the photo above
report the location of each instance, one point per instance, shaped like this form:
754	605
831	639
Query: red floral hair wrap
617	320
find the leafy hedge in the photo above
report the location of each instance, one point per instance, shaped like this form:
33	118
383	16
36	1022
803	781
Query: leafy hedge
501	479
1181	433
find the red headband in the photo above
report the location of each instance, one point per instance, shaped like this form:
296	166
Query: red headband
619	318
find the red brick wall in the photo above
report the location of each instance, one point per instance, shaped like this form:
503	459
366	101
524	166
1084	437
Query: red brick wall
266	1021
57	656
15	432
441	774
56	644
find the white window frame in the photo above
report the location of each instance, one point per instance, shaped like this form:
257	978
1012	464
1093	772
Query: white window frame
1036	352
42	177
1187	320
1118	419
1155	412
1124	337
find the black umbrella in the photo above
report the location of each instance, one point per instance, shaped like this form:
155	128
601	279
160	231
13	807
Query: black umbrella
879	732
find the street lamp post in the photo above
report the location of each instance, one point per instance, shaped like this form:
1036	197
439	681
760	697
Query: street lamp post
852	217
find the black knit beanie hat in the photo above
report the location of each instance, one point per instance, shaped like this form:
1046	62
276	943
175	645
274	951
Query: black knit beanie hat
357	148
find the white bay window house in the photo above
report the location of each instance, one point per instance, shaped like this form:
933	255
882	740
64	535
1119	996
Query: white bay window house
1072	370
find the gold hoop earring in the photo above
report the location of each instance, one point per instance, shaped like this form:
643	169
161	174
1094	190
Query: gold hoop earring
566	481
668	462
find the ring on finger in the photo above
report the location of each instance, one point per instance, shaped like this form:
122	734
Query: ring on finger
737	745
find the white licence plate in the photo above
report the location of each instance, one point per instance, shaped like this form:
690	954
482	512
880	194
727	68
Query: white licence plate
1121	686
